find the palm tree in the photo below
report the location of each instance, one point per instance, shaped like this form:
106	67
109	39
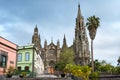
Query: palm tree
92	25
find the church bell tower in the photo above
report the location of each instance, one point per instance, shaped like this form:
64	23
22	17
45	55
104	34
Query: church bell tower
81	45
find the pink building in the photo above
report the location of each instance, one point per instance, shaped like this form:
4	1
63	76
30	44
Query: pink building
8	53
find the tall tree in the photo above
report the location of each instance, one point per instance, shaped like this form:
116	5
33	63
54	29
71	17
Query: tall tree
92	26
66	57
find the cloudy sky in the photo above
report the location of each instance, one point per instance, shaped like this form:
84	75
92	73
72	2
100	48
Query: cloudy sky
55	18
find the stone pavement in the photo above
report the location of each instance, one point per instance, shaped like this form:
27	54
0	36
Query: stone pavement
108	77
42	77
35	79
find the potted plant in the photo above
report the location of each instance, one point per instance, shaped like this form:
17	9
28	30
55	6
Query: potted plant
9	74
10	71
23	74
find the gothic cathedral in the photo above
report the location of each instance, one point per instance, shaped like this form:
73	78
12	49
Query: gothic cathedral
81	44
50	52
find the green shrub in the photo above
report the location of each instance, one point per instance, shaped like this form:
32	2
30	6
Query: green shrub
23	74
94	75
118	70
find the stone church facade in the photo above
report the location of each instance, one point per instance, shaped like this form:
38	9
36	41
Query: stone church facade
81	44
50	52
51	55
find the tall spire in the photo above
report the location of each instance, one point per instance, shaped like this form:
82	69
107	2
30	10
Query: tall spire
45	44
36	29
79	15
58	44
64	42
81	44
79	19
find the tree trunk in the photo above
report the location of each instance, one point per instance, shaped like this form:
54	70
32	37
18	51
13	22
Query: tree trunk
92	60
